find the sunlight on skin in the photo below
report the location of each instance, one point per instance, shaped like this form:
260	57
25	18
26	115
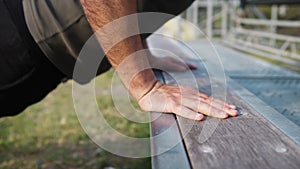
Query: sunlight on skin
217	107
143	85
189	105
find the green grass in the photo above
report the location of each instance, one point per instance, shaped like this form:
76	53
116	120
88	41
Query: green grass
48	134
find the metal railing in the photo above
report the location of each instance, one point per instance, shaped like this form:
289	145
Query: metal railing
256	35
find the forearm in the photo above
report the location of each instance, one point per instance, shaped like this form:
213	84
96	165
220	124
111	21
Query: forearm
102	12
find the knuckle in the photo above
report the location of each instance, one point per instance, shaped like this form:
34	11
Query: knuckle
177	108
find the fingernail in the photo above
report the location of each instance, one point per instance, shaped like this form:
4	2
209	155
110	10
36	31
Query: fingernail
224	114
232	106
199	117
234	112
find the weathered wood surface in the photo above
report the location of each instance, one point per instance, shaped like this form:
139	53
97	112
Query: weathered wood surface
248	141
275	86
167	147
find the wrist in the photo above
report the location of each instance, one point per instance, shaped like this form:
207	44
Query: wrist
143	83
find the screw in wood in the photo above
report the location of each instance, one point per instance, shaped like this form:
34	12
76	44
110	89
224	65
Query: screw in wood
206	149
280	149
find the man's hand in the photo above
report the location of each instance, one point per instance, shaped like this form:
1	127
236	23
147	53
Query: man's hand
143	85
185	102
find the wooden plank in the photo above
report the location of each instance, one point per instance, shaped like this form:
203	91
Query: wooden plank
267	35
252	140
167	149
270	2
267	22
242	46
290	127
288	55
275	86
248	141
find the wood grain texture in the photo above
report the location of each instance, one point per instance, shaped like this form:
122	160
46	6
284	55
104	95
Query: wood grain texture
248	141
167	148
168	151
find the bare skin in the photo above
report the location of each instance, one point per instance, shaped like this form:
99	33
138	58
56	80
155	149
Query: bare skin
143	85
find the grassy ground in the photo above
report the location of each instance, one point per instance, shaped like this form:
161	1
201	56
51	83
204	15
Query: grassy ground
48	135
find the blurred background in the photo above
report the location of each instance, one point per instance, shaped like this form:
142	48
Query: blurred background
48	134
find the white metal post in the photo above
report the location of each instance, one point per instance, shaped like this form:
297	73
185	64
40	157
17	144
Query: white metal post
273	26
189	14
195	12
224	18
209	22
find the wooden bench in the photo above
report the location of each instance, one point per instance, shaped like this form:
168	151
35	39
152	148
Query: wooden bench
259	138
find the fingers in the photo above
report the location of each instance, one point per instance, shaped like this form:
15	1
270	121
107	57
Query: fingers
221	106
200	106
186	102
210	106
179	65
191	66
186	65
202	95
187	113
224	106
217	101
